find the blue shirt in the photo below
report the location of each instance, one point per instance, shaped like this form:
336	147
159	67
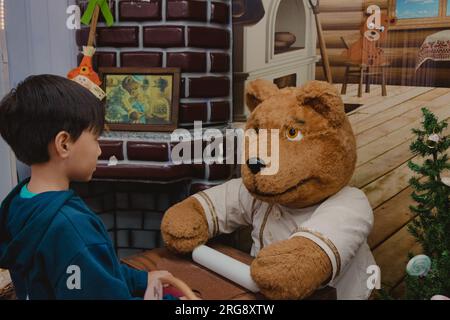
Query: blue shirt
26	194
46	237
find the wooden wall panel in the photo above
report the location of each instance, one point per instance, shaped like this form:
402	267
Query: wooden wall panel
355	5
344	18
429	75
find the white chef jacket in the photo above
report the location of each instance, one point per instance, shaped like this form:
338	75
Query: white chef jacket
340	225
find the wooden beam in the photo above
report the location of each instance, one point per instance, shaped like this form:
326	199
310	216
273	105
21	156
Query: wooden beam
396	38
344	20
350	5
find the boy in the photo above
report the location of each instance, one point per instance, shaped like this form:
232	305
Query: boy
54	246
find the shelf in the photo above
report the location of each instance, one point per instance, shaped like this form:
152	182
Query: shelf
280	51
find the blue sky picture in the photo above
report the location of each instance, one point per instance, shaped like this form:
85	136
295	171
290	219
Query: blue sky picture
408	9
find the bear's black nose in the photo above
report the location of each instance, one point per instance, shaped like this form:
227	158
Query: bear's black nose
255	165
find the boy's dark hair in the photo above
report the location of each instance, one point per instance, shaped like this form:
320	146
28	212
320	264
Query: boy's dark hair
42	106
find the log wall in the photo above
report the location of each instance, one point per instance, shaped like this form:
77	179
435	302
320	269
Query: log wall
344	18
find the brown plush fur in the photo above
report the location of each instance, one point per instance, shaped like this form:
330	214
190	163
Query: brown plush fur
310	171
290	269
184	226
322	163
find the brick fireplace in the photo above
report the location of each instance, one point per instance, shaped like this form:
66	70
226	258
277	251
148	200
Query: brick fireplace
195	36
192	35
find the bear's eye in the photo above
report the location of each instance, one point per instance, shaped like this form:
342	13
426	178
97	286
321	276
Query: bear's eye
294	134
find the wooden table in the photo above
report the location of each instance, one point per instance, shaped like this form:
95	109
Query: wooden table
436	47
205	283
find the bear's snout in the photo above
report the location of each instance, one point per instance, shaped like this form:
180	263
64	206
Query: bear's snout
255	165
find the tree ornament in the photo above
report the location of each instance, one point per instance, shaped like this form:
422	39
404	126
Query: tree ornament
439	297
433	140
419	266
445	178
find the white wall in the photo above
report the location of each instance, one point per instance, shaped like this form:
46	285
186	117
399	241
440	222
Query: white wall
38	39
8	176
38	42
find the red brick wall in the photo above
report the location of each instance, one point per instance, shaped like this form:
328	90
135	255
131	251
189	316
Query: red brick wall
192	35
131	211
195	36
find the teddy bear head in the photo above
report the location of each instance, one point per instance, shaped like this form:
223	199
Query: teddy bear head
317	148
371	32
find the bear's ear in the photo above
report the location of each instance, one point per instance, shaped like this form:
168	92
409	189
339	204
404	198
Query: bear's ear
323	98
257	91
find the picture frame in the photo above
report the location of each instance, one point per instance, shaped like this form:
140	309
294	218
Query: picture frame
141	99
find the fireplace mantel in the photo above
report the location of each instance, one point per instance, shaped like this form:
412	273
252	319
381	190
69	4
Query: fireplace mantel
146	156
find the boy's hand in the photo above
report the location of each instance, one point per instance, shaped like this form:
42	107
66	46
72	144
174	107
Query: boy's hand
154	285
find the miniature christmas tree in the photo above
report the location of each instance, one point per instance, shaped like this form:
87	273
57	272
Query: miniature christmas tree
429	274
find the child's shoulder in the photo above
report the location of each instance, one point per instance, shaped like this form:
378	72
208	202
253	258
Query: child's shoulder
75	221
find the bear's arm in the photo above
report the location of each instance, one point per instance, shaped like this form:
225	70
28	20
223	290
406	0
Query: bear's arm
227	207
340	225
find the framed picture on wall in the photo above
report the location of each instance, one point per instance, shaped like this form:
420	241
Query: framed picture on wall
141	99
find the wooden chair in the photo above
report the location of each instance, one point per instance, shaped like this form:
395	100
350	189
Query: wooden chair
363	72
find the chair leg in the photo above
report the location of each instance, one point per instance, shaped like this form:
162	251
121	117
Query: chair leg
344	85
367	80
383	82
361	82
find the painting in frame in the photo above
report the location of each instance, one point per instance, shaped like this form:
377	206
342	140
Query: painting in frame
141	99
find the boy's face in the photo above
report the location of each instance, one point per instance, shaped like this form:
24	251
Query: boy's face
83	157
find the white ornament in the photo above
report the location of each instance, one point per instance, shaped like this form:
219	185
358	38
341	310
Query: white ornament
113	161
434	137
439	297
446	181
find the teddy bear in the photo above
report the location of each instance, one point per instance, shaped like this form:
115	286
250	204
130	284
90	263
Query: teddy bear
309	228
367	50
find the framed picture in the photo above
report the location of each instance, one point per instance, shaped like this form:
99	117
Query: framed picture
141	99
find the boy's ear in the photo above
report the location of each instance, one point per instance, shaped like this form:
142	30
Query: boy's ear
257	91
62	144
323	98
